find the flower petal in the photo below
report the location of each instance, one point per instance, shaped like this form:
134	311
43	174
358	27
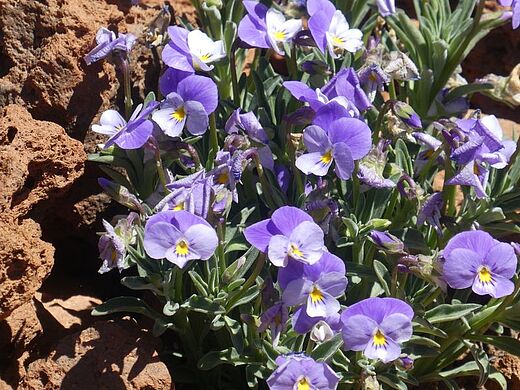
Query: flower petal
287	218
344	161
357	331
386	353
296	292
398	327
197	120
201	89
322	307
277	250
461	266
498	288
353	132
308	236
502	260
159	237
202	240
311	163
260	233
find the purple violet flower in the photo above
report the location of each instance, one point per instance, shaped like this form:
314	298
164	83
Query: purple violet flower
112	244
377	326
191	50
316	99
290	233
515	8
372	78
484	148
131	135
274	318
330	29
344	141
107	43
387	242
430	212
315	286
386	7
475	259
266	27
179	236
346	83
195	99
247	123
301	372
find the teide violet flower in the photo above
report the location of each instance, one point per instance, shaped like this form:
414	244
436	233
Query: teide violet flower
330	29
107	43
301	372
249	124
179	236
315	286
290	233
131	135
377	326
515	5
342	142
112	245
266	27
274	318
191	50
475	259
195	99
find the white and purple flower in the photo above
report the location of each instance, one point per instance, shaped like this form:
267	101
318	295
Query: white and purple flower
195	98
301	372
330	29
190	51
266	27
342	141
179	236
290	233
475	259
377	326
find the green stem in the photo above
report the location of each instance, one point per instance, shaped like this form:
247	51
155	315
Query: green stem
213	140
260	261
266	188
379	121
160	170
234	79
221	233
391	90
449	192
127	79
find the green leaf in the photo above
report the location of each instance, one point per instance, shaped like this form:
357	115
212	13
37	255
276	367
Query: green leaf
235	332
199	283
250	294
423	341
494	215
138	283
447	312
424	326
125	304
498	378
326	350
482	360
382	275
226	356
505	343
465	90
149	98
203	305
239	267
392	381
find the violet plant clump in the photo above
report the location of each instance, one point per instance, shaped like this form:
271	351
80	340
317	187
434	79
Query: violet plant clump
311	204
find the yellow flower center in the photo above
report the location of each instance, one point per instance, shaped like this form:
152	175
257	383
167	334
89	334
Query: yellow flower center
294	250
484	275
379	339
327	157
303	384
113	256
179	206
205	57
316	295
337	41
279	36
476	169
182	248
223	178
179	114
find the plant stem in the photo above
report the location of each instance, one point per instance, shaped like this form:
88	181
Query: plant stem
260	261
127	79
234	79
213	140
221	232
160	169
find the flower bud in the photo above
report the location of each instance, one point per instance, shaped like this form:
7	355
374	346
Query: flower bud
407	114
387	242
405	362
321	332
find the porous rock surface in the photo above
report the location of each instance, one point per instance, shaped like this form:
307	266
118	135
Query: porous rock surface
108	355
38	162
